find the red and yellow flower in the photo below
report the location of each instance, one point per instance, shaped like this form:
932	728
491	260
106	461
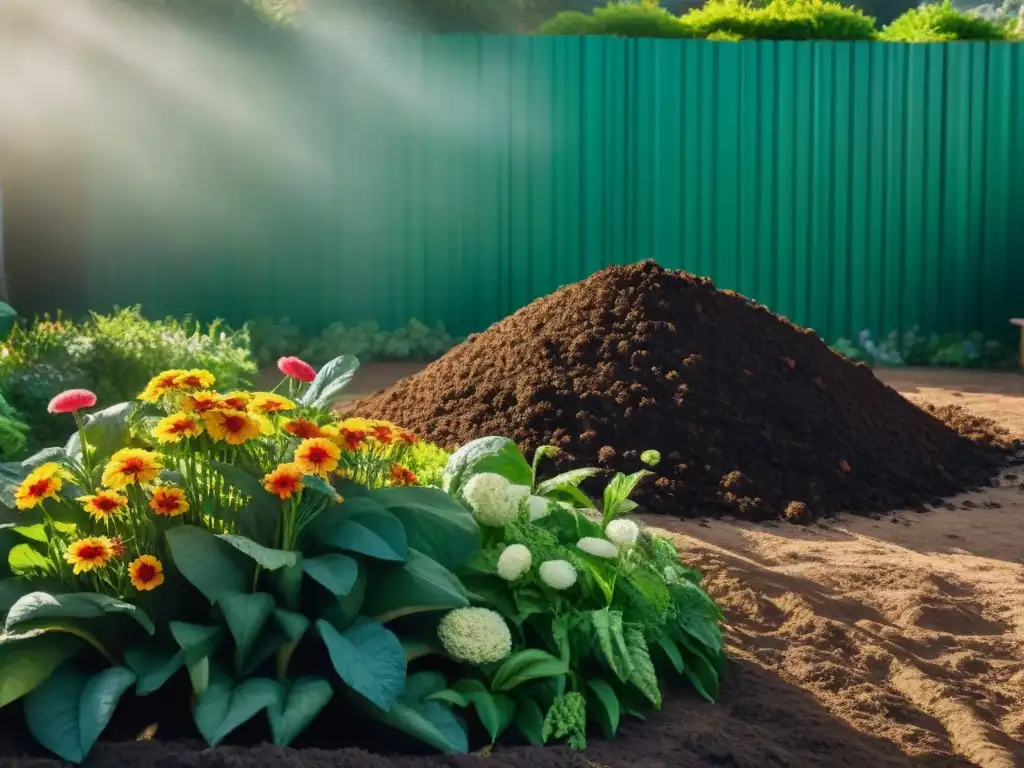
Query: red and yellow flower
86	554
232	427
317	456
160	385
103	504
405	436
284	481
265	403
168	501
130	466
194	379
304	429
177	427
383	432
235	401
42	483
146	573
202	401
403	475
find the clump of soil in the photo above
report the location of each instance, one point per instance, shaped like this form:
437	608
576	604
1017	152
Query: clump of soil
750	412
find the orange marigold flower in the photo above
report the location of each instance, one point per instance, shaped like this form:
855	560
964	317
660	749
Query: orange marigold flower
146	573
196	378
383	433
202	401
235	401
304	429
43	483
103	504
93	552
407	437
351	439
176	427
160	385
232	427
267	402
403	475
168	501
317	456
131	465
284	481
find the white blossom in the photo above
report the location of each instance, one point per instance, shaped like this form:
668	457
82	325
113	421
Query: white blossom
514	561
558	574
597	547
623	533
489	496
475	635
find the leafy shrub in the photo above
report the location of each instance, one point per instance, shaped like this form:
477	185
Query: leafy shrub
367	341
618	20
780	20
13	432
112	355
278	558
955	350
272	339
941	22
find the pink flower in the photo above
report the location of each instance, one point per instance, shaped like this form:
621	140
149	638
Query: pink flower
72	400
297	369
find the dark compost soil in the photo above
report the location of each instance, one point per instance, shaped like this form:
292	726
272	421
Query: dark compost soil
752	414
760	722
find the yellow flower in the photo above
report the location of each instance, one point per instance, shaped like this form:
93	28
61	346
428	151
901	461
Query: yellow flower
168	501
103	504
232	427
146	573
160	385
197	378
284	481
176	427
235	401
317	456
267	402
93	552
43	483
131	465
305	429
200	402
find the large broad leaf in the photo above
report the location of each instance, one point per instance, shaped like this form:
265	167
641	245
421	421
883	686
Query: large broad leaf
369	659
153	664
494	710
343	611
303	701
418	585
360	525
671	651
25	664
195	640
245	615
11	591
435	523
432	722
223	707
107	431
337	573
487	454
529	720
213	567
26	560
80	605
701	674
68	712
329	382
270	559
523	666
604	704
643	676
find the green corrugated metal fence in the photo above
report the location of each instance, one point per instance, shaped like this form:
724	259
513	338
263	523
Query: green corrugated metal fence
845	185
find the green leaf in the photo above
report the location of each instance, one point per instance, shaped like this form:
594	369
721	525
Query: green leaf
644	677
369	659
417	649
212	566
107	431
435	524
271	640
270	559
702	675
608	626
245	615
337	573
196	641
288	583
539	455
11	590
671	652
343	611
570	479
223	707
80	605
602	701
704	630
417	586
432	722
304	699
153	665
488	454
529	720
495	711
263	510
522	666
450	696
26	560
329	382
360	525
25	664
68	712
294	625
618	490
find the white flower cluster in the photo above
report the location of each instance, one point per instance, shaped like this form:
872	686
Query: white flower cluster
558	574
623	533
493	499
597	547
513	563
475	635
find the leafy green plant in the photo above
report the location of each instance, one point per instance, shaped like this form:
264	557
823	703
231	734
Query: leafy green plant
599	610
941	22
367	341
779	20
272	339
618	20
955	350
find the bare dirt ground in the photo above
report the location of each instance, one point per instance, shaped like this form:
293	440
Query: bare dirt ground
908	628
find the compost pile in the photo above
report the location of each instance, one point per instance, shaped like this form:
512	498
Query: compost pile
753	416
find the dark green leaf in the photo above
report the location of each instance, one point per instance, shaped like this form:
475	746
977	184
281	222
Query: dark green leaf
80	605
608	627
360	525
522	666
369	659
329	382
212	566
222	707
529	720
153	665
196	641
702	675
416	586
270	559
671	652
432	722
294	625
704	630
338	573
11	590
344	610
602	701
304	700
494	710
435	523
643	676
245	615
25	664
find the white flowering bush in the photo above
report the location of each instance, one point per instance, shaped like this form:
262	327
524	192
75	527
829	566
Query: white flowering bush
597	611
